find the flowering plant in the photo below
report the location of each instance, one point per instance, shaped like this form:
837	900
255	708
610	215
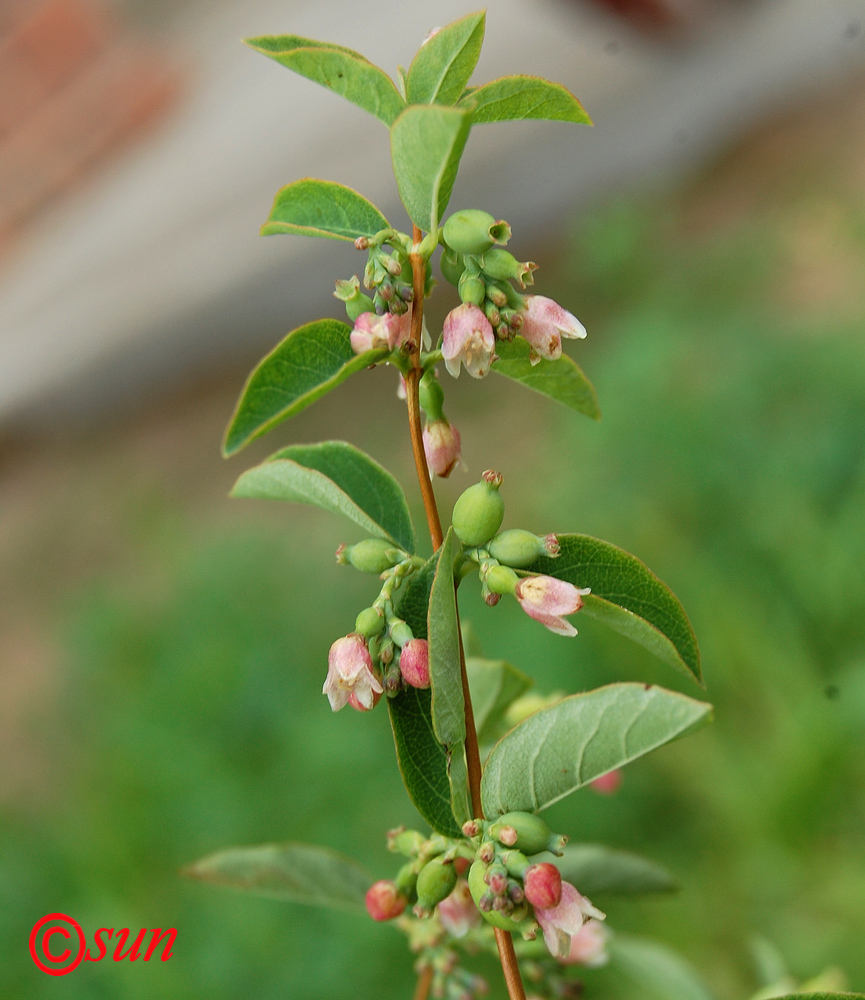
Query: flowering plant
479	757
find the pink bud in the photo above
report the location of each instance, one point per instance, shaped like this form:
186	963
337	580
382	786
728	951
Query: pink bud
607	784
544	325
383	902
552	546
543	885
458	912
372	332
508	836
350	674
441	445
546	599
468	338
414	663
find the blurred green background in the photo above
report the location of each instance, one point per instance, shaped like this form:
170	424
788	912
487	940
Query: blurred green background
176	642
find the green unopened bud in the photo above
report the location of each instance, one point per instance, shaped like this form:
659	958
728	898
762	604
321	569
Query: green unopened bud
406	881
532	833
519	548
472	288
369	622
503	266
435	883
479	512
407	842
431	396
473	231
492	312
372	555
515	861
499	579
400	632
452	266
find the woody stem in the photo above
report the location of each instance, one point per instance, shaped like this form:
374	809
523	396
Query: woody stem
473	760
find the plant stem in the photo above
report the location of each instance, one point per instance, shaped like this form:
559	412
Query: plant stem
507	955
424	981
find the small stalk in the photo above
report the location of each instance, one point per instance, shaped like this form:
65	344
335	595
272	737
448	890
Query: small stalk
505	944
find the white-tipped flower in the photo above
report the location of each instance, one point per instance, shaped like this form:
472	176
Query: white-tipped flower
350	677
562	923
546	599
468	339
544	325
441	445
372	332
588	946
458	913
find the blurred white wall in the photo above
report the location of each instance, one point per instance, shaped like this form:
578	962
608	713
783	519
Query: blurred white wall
155	272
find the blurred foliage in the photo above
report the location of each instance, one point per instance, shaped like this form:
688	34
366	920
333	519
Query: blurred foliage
730	457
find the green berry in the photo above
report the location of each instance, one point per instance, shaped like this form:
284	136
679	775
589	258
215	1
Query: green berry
372	555
472	289
473	231
532	833
479	889
518	548
435	883
369	622
479	512
452	266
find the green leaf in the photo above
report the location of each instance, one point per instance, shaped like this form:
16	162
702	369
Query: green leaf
422	760
494	684
337	477
559	749
822	996
308	363
446	685
426	142
627	596
341	70
562	379
658	972
303	873
444	64
311	207
512	98
599	870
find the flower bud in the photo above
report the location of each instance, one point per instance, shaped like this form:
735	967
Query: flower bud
472	288
414	663
383	901
471	828
431	396
452	266
369	622
392	680
543	886
400	632
473	231
486	901
518	548
479	512
487	852
435	882
442	447
533	834
406	842
607	784
406	881
500	264
372	555
499	579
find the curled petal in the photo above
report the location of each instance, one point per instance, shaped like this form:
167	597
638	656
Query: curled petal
545	322
546	599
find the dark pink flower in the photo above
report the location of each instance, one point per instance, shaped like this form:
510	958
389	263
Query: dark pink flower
561	923
350	677
468	338
383	901
414	663
544	325
546	599
543	885
372	332
441	445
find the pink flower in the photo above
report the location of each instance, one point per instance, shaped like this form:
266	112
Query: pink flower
458	912
543	885
563	922
414	663
468	338
544	325
383	901
350	678
441	445
588	946
546	599
372	332
607	784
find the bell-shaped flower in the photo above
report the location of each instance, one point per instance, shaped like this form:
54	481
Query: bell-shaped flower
468	338
546	599
441	445
350	677
563	922
588	946
544	325
372	332
458	913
